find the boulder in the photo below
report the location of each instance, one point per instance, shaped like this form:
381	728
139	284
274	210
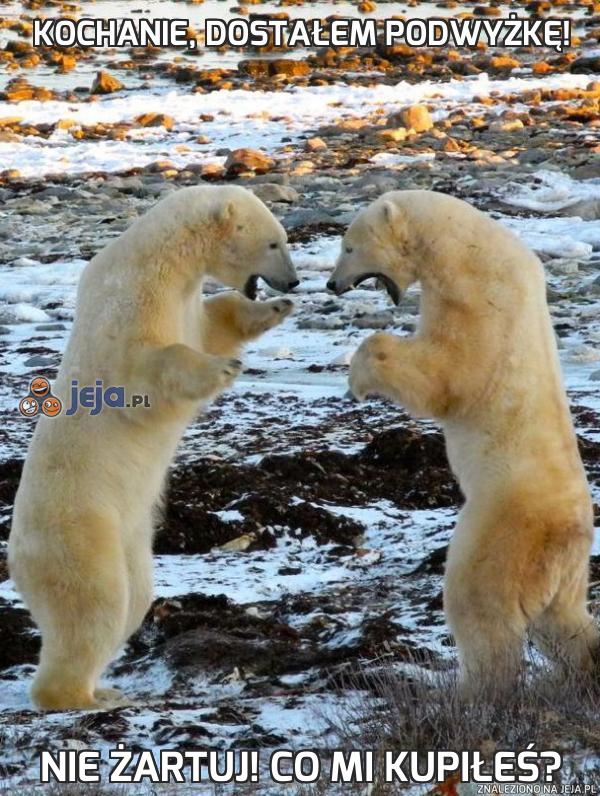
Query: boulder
415	117
241	160
105	83
273	192
155	120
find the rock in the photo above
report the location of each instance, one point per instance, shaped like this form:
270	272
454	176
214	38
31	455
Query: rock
238	545
314	145
241	160
506	126
289	67
10	174
487	11
533	156
416	118
10	121
379	320
375	184
343	359
283	352
38	361
50	327
595	376
587	171
155	120
392	134
19	89
272	192
105	83
263	67
307	217
587	209
328	323
160	166
584	353
66	124
586	65
255	67
502	63
541	68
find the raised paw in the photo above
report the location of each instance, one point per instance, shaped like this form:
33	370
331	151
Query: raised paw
268	314
282	306
227	370
368	367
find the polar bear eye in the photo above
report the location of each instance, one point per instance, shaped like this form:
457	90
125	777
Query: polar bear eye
349	249
273	245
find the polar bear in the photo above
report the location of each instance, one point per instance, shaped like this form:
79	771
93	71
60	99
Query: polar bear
80	549
484	363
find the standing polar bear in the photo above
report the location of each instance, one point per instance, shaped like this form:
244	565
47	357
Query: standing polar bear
80	550
484	363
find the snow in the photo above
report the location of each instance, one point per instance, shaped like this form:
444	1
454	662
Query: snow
291	113
552	191
565	237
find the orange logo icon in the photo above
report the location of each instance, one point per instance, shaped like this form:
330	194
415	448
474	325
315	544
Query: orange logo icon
28	407
40	397
39	387
51	406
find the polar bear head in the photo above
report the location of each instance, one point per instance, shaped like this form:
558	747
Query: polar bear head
250	244
379	243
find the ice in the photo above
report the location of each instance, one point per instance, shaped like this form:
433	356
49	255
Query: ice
552	191
25	312
563	237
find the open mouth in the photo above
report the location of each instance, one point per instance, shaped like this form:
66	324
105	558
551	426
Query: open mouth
39	390
251	288
389	284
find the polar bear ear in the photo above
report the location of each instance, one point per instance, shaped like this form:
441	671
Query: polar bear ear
390	212
225	212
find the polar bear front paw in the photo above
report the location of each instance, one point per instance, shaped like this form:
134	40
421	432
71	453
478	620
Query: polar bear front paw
227	369
266	315
368	367
283	306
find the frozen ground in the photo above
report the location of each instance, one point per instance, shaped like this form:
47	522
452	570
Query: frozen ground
325	592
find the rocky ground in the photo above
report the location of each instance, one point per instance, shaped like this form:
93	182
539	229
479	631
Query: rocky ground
304	536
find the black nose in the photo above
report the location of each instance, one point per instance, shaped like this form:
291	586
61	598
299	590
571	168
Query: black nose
331	285
292	285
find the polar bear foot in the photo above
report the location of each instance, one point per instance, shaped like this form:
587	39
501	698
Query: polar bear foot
61	698
72	699
108	694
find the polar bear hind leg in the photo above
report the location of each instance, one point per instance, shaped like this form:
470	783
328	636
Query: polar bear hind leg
81	616
140	575
567	633
489	632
